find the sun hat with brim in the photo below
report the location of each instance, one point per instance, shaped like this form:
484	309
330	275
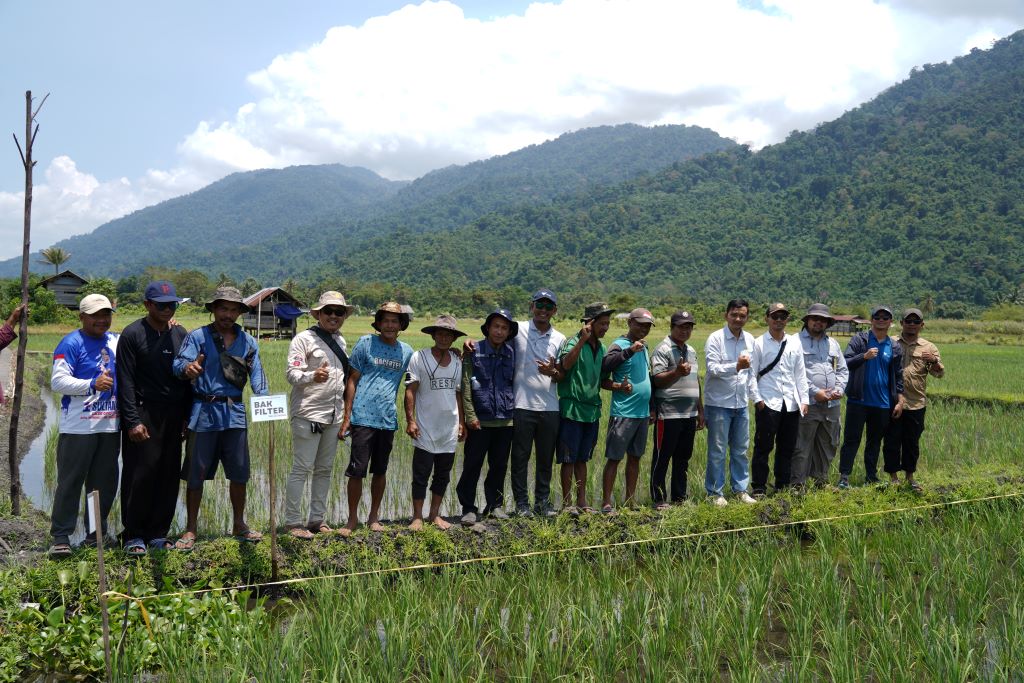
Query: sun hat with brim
596	310
820	311
332	298
390	307
228	294
444	322
513	326
94	303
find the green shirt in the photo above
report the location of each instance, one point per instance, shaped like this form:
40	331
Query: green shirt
579	394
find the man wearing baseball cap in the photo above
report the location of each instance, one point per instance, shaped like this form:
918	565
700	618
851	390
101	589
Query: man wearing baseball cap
920	359
579	400
678	409
84	373
626	370
154	406
317	366
780	399
873	396
827	375
219	358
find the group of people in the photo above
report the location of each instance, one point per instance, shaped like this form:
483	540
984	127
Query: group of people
521	392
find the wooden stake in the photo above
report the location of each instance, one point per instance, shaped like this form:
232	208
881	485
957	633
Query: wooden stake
97	523
273	508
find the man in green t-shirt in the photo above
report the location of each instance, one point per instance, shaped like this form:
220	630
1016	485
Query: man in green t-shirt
579	403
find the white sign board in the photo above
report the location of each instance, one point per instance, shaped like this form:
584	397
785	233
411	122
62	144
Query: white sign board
267	408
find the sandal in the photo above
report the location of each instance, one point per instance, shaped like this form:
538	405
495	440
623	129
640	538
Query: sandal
916	488
661	507
607	510
59	550
160	544
248	536
588	510
135	547
186	542
300	532
321	528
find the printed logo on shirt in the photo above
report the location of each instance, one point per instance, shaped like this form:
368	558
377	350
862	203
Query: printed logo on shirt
440	383
389	363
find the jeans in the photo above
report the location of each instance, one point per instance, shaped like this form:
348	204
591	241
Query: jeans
727	427
857	417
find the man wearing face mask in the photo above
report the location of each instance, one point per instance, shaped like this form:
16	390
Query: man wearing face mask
154	406
317	370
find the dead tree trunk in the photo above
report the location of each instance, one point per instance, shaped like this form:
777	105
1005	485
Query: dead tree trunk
19	373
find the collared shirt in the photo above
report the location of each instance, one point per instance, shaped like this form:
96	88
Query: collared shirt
916	371
78	361
724	386
784	387
535	391
579	393
321	402
215	416
825	365
680	398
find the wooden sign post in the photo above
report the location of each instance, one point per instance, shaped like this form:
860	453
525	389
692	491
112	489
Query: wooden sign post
96	523
270	409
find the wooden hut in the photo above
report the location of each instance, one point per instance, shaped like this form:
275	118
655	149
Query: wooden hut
67	287
272	312
847	325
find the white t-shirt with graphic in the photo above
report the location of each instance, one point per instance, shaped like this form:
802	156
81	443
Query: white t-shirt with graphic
437	410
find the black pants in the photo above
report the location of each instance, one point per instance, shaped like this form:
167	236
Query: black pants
903	442
673	444
533	429
150	474
494	444
857	417
423	462
89	461
776	429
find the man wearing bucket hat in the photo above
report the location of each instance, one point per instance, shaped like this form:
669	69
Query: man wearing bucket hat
827	375
488	405
579	401
433	418
154	405
626	370
874	394
377	366
84	373
920	359
219	358
317	367
780	399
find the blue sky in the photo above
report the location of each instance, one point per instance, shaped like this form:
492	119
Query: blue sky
152	100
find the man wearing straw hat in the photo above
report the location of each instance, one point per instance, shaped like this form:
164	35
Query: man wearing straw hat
219	358
84	373
579	402
433	417
317	367
377	366
827	374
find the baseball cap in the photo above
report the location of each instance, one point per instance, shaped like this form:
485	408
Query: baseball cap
94	303
912	311
776	307
641	315
544	294
682	317
161	291
879	309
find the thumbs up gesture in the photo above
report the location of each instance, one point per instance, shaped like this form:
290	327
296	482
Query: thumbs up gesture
195	368
104	382
321	374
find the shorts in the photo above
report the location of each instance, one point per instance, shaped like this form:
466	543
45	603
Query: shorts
370	447
576	441
626	435
230	447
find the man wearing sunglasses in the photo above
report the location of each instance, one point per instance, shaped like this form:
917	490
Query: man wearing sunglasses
920	359
779	394
154	406
873	396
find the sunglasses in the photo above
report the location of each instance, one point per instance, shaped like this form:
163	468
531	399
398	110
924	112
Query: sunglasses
913	321
881	317
543	305
338	312
165	305
779	316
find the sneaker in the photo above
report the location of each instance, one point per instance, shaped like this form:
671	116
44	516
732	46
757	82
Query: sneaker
744	497
524	511
468	519
498	513
546	511
872	480
844	482
719	501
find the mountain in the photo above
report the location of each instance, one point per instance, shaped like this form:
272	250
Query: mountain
913	197
278	223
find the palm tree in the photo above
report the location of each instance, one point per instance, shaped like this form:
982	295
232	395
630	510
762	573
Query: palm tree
56	257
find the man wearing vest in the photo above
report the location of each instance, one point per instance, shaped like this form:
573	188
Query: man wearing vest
317	368
779	394
219	358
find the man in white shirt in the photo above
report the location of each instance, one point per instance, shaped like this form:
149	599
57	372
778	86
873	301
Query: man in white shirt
780	398
727	388
536	416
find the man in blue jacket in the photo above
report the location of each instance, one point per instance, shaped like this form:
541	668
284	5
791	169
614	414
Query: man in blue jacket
874	393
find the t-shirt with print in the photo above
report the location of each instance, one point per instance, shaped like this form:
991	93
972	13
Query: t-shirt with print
381	367
437	410
78	361
638	402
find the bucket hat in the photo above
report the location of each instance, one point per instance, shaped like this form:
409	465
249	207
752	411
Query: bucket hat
820	311
332	298
501	313
596	310
230	294
444	322
390	307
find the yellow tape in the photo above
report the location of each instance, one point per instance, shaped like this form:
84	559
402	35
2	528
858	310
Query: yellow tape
561	551
137	600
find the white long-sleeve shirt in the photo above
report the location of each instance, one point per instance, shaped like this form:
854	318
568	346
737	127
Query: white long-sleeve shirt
724	386
784	388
